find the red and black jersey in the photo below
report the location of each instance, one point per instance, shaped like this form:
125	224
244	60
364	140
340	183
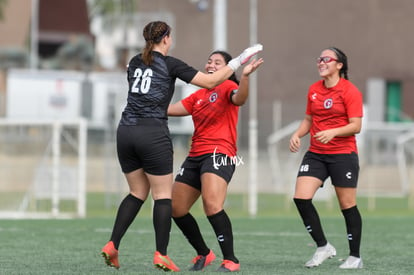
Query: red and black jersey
215	120
332	108
151	87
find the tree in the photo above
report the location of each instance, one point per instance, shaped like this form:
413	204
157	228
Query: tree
114	14
110	7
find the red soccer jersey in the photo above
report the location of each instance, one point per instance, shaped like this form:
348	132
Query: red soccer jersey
215	120
332	108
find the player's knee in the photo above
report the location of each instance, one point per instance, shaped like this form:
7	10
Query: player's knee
179	210
211	209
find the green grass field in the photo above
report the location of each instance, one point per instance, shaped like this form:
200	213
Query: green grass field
275	242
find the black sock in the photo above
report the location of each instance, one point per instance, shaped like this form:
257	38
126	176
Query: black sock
311	220
353	223
161	217
188	225
127	211
222	227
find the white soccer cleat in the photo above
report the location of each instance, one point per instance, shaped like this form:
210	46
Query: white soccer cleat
352	263
249	52
321	254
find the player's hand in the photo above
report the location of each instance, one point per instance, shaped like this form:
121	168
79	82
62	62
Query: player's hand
245	56
252	66
294	143
325	136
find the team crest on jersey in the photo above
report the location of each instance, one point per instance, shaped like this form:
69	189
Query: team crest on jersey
328	103
213	97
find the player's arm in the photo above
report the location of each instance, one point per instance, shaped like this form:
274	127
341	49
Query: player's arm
177	109
302	130
240	97
352	128
210	81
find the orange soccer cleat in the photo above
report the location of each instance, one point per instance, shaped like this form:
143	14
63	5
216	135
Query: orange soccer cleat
200	261
164	262
228	266
110	255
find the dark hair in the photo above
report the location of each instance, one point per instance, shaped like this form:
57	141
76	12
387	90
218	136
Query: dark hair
153	33
342	58
227	57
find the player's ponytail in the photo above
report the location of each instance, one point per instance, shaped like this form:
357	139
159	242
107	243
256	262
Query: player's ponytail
153	33
342	58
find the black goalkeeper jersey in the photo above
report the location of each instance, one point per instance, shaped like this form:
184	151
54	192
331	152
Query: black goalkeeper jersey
151	87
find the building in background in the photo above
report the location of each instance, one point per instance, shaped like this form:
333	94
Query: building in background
64	37
374	34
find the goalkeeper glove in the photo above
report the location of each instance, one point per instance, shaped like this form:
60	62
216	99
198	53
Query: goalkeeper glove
235	63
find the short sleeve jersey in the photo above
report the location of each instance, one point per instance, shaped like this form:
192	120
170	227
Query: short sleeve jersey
215	120
332	108
151	87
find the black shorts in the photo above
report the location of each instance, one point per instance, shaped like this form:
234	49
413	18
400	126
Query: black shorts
193	167
146	146
342	168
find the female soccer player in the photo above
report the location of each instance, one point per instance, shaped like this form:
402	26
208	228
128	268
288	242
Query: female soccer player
211	162
143	141
333	118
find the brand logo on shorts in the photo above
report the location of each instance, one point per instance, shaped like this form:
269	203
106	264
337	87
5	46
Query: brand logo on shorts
348	175
181	171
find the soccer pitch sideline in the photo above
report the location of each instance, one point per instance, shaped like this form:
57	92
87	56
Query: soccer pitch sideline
275	242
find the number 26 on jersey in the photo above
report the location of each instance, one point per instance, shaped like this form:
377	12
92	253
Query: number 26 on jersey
142	81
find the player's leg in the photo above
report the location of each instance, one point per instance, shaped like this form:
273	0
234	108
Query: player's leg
304	192
353	222
214	191
311	176
184	196
156	152
127	211
186	191
345	171
131	204
161	193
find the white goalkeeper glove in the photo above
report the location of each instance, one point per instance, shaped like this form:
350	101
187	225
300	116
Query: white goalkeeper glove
235	63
